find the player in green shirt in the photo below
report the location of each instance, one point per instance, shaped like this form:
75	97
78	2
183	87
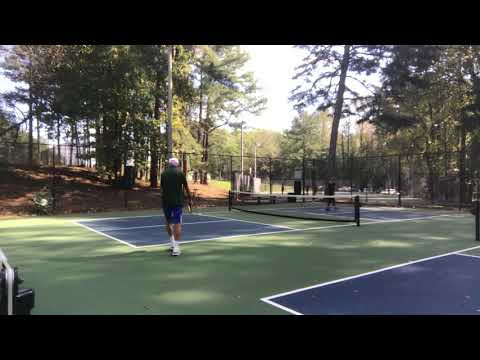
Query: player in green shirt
174	186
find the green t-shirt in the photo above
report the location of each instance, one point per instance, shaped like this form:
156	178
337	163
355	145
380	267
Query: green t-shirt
173	184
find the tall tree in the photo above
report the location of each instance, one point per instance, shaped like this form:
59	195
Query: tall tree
226	90
329	75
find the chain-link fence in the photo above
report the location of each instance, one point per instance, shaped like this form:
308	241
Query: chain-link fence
437	178
45	154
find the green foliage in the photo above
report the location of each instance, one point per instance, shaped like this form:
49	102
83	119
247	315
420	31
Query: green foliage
43	201
426	89
308	137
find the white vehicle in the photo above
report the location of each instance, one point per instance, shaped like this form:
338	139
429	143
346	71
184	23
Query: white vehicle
389	192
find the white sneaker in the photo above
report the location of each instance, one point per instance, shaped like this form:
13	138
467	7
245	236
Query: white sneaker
176	251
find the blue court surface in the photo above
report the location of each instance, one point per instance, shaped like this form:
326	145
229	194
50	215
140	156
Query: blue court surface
145	231
370	213
447	284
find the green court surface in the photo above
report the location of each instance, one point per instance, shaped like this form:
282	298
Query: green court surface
76	271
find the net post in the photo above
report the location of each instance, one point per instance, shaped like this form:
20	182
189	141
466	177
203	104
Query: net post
357	209
230	195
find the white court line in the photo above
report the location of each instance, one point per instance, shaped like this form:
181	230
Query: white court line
281	307
162	225
474	256
109	236
257	234
377	221
269	298
209	239
331	214
248	221
120	217
288	230
139	216
217	238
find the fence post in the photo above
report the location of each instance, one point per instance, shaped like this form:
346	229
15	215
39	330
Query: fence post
303	176
462	178
477	219
351	175
231	173
399	180
357	209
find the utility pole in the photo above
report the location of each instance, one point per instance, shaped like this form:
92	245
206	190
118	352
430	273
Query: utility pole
241	148
255	161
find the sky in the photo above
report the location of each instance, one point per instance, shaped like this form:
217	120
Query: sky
274	67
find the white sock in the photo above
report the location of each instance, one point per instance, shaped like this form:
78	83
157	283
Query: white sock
172	240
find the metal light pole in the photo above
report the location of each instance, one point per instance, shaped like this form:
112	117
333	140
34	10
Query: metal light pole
241	149
255	159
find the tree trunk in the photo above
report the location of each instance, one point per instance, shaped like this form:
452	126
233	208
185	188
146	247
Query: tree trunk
171	50
71	145
360	145
38	138
98	142
337	115
475	153
154	140
342	145
59	156
77	146
30	131
86	142
430	178
199	129
462	187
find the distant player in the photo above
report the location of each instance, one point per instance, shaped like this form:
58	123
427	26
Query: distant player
330	191
173	184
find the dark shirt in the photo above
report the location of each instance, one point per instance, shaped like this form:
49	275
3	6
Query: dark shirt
330	188
173	184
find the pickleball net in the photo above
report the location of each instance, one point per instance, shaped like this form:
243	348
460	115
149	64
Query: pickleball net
303	207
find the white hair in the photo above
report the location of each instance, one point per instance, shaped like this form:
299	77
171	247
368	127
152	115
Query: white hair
173	162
